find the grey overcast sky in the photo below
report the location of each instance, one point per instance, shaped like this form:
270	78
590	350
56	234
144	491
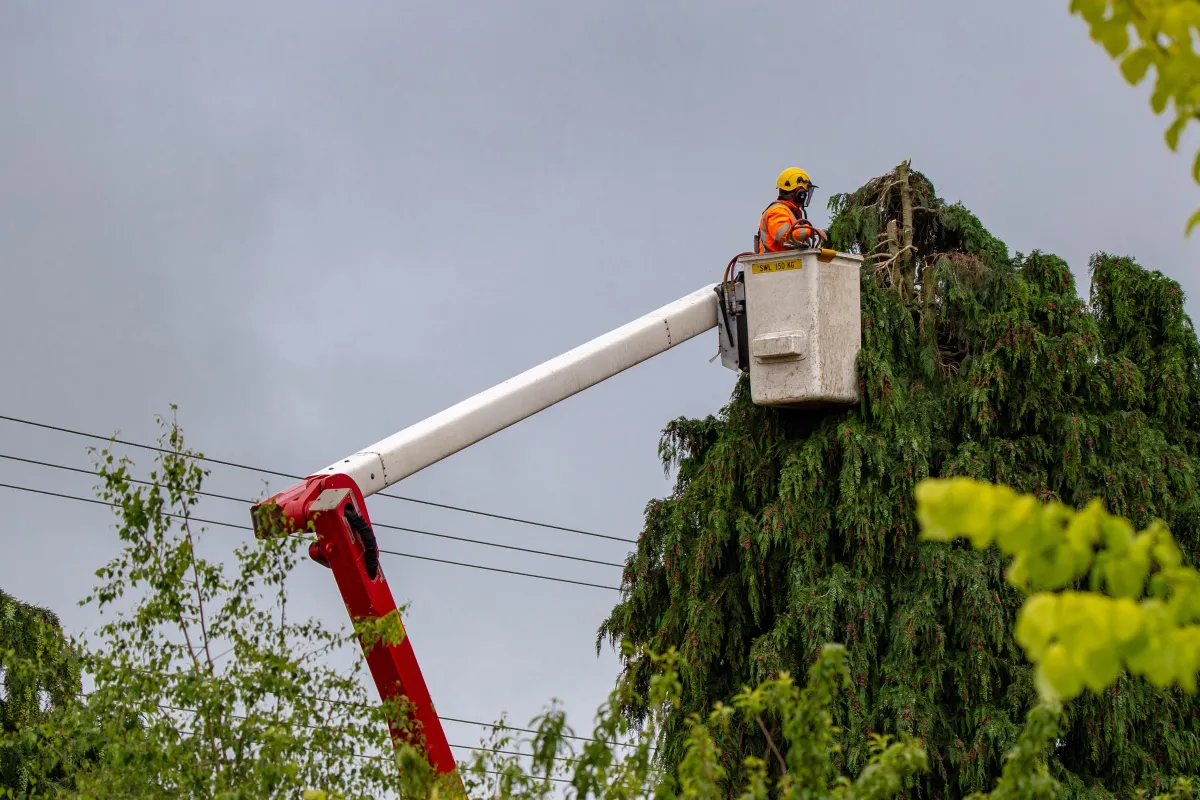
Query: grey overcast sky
313	224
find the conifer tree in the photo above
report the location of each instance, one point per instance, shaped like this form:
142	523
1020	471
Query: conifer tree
790	529
39	672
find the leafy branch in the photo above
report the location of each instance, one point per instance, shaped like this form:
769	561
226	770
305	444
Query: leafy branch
1158	34
1147	624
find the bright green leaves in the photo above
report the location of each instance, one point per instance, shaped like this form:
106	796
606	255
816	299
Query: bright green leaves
1092	11
1123	568
1113	35
1109	29
950	508
1164	37
1035	625
1051	545
1178	19
1057	676
1080	640
1125	621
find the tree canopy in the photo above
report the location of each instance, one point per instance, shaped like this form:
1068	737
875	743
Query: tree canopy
788	529
40	673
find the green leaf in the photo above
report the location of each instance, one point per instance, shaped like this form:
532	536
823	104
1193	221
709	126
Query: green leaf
1018	573
1177	20
1083	530
1166	552
1113	34
1176	128
1099	666
1125	620
1036	624
1135	65
1160	670
1192	222
1057	676
1014	532
1118	535
947	509
1160	96
1092	11
1126	578
1057	569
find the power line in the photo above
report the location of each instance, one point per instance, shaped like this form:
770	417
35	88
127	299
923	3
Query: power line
373	523
369	757
276	473
498	569
330	727
499	545
531	730
502	726
457	720
381	550
82	471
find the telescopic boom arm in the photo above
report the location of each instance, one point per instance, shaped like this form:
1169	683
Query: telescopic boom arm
334	499
429	441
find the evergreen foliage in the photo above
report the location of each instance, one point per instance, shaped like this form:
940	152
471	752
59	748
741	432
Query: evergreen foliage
788	529
39	672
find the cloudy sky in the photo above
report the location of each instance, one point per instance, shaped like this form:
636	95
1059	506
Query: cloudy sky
313	224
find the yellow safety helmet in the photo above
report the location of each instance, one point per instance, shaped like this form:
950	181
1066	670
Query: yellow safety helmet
794	178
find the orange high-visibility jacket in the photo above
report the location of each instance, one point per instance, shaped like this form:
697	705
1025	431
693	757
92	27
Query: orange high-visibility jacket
776	223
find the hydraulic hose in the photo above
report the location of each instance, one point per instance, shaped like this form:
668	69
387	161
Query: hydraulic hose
370	545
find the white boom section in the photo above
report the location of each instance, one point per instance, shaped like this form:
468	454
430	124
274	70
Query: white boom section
413	449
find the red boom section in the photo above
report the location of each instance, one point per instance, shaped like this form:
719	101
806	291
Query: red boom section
331	503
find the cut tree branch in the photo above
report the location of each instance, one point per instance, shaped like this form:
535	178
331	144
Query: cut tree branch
892	256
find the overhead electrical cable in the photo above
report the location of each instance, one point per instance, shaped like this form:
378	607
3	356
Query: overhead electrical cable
375	524
236	526
265	471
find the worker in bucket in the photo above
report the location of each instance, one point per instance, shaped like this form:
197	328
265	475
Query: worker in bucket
783	225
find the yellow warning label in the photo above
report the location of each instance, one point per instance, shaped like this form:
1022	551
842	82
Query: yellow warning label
776	266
